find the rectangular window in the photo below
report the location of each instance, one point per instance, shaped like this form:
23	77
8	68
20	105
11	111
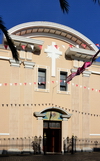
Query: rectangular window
42	78
63	84
52	125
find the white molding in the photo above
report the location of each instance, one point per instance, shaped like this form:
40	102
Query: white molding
28	64
56	109
94	72
94	134
4	58
50	35
86	73
80	54
4	134
23	39
73	70
56	26
15	63
66	116
38	114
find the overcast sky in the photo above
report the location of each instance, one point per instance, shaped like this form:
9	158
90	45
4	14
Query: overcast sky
83	16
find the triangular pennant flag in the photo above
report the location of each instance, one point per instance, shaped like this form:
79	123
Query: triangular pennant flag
77	46
52	81
43	82
34	82
32	46
25	83
56	46
70	46
40	47
97	45
5	84
15	84
84	45
0	84
6	46
63	46
23	47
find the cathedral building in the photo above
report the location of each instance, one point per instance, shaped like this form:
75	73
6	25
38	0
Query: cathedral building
35	98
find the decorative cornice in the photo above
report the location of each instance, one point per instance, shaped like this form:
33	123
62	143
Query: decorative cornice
86	73
14	63
29	64
64	113
66	117
73	70
4	58
80	54
38	114
32	44
54	28
26	40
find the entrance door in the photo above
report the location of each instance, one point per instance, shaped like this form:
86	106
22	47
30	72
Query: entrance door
52	136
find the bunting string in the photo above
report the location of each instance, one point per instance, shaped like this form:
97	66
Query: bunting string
41	83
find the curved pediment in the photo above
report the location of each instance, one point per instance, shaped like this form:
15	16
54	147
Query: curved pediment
53	113
50	29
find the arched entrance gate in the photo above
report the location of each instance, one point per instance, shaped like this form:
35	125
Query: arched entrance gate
53	127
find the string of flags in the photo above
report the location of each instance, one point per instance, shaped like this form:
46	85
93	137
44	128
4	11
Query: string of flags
34	83
56	46
24	46
98	45
83	45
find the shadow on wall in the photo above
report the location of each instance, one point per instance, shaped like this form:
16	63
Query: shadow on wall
75	144
30	145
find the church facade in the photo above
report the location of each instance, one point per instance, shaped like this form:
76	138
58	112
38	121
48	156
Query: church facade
35	98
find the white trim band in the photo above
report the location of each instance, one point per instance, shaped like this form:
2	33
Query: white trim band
94	72
23	39
4	134
5	58
94	134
